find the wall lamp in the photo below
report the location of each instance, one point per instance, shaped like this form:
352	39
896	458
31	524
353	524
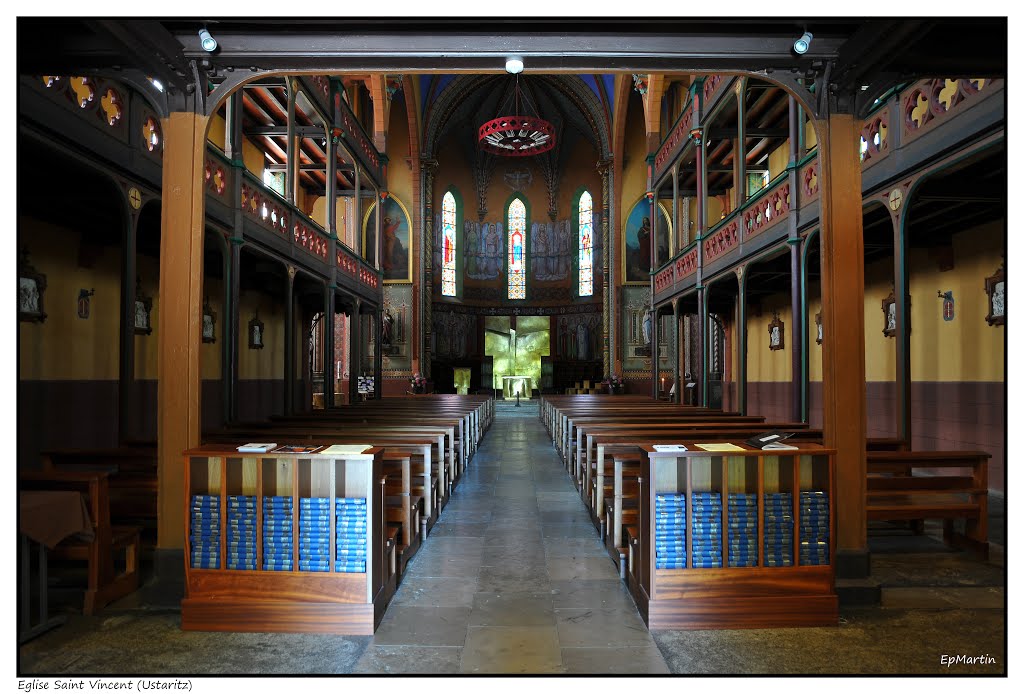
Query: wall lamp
208	42
801	45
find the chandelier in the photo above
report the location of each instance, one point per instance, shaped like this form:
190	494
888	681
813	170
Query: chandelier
518	135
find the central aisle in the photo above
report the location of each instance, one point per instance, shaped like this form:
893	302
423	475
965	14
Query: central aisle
513	578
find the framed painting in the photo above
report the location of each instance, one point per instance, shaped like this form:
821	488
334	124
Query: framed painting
31	285
209	323
776	333
256	334
636	252
396	237
143	310
995	287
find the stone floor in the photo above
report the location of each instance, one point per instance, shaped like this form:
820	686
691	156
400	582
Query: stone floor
513	580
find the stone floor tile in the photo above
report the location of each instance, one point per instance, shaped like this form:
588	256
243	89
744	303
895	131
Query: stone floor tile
409	660
422	626
512	650
512	610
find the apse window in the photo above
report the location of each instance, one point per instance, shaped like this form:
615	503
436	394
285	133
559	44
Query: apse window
586	244
517	250
448	210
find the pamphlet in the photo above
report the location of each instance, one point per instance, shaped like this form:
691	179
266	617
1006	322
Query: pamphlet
346	449
719	447
667	447
255	447
289	448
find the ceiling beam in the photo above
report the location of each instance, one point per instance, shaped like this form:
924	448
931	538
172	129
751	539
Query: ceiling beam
282	130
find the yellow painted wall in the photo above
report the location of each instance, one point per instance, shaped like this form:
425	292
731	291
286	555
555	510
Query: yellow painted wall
810	136
64	346
251	154
778	159
266	363
966	348
634	171
319	215
764	364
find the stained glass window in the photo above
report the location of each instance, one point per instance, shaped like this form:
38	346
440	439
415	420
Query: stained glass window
517	250
586	220
448	286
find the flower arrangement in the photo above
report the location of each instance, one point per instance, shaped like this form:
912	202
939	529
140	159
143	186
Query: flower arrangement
417	381
614	380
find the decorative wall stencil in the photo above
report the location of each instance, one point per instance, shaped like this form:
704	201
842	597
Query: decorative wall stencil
995	287
776	333
578	337
84	296
31	286
947	305
518	178
143	309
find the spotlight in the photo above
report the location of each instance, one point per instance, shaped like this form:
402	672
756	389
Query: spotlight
801	45
209	43
514	65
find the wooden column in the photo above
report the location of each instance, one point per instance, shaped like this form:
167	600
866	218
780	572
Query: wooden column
292	169
675	215
901	281
655	336
740	149
842	298
179	328
234	140
289	341
702	309
328	331
798	346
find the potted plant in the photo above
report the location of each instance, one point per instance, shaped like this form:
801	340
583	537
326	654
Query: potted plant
418	383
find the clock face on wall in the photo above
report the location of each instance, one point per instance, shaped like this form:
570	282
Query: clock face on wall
895	199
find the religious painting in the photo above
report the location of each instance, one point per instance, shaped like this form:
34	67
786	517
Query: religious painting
256	334
396	238
484	251
209	323
776	333
995	287
84	301
143	310
817	322
31	286
636	257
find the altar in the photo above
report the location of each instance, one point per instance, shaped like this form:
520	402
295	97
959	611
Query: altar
516	385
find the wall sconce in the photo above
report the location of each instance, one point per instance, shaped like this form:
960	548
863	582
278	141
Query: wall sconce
697	135
384	195
649	195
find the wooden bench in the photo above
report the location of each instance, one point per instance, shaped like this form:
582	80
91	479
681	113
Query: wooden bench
942	491
105	582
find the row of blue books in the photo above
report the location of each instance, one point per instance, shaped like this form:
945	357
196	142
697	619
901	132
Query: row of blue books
204	536
314	534
778	529
278	544
814	528
742	529
706	529
350	535
241	533
670	531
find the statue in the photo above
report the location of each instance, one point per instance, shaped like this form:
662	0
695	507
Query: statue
386	328
582	341
648	318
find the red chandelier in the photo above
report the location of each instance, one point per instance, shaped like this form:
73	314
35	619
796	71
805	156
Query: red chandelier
516	135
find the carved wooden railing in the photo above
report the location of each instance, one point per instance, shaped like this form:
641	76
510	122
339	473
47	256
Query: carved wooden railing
724	239
675	141
310	238
264	207
769	207
218	175
928	103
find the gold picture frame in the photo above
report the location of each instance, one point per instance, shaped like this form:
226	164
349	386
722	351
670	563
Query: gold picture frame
402	235
639	210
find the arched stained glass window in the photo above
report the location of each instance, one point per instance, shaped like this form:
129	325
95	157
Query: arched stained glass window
517	250
586	239
448	210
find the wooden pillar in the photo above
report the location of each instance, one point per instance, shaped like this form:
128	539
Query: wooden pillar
741	342
702	308
127	404
378	242
180	316
328	331
354	353
355	218
842	298
901	275
292	169
740	148
703	339
675	215
798	347
289	341
234	140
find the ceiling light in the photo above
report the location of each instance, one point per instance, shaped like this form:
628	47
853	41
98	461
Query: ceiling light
801	45
209	43
514	65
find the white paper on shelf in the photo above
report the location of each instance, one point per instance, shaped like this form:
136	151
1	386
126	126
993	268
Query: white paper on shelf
256	447
345	449
779	447
669	447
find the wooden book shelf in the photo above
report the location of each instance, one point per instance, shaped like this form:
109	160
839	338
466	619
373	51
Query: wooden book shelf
290	600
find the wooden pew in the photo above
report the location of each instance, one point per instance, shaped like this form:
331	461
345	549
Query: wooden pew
895	493
105	583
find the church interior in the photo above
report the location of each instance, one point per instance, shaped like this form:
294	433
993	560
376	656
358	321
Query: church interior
520	305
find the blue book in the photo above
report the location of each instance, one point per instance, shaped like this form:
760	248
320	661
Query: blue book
350	500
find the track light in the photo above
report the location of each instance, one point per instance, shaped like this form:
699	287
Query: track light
514	65
801	45
209	43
